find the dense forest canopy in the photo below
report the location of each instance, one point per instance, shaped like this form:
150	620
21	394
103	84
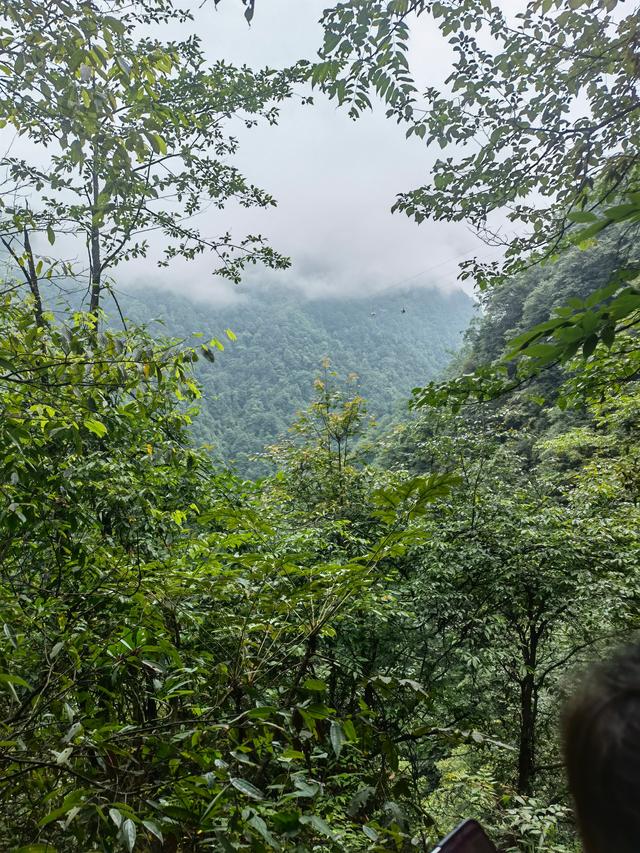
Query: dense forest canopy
388	343
366	646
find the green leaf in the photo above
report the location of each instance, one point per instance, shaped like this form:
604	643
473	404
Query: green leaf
625	304
349	730
158	144
265	712
287	821
608	335
292	755
260	826
589	345
584	216
96	427
304	789
129	834
5	678
71	800
360	799
543	353
123	65
247	788
581	236
153	829
622	212
317	711
337	737
314	684
331	41
76	151
319	825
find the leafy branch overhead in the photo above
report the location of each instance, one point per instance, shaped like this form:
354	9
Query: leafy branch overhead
135	129
539	128
607	316
510	90
249	10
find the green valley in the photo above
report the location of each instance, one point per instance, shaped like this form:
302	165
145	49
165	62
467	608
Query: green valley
392	341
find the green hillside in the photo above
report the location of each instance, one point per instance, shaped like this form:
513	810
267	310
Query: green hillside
393	341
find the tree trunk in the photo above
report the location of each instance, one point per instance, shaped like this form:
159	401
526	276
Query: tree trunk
528	712
32	278
96	263
526	751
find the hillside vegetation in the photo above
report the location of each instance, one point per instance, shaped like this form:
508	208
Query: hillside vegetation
392	341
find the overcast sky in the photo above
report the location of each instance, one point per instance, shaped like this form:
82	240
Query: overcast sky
334	179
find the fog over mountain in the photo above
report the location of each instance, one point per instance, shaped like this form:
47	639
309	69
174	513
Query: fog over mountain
335	180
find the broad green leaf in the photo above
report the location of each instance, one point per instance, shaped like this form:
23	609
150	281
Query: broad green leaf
70	801
589	345
96	427
319	824
6	678
314	684
247	788
582	216
263	713
153	829
370	832
260	826
338	738
129	834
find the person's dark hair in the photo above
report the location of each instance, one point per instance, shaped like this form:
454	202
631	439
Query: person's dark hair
601	739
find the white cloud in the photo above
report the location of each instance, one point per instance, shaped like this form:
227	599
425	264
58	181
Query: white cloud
335	180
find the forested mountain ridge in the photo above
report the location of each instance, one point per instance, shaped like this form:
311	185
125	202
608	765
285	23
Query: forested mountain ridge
533	296
525	300
393	341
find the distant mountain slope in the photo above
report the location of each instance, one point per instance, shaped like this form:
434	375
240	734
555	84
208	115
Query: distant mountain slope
393	341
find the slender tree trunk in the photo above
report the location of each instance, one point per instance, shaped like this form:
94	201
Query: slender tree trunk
29	272
528	715
33	279
526	751
96	262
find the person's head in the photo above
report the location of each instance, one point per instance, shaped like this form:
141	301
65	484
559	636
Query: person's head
601	735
